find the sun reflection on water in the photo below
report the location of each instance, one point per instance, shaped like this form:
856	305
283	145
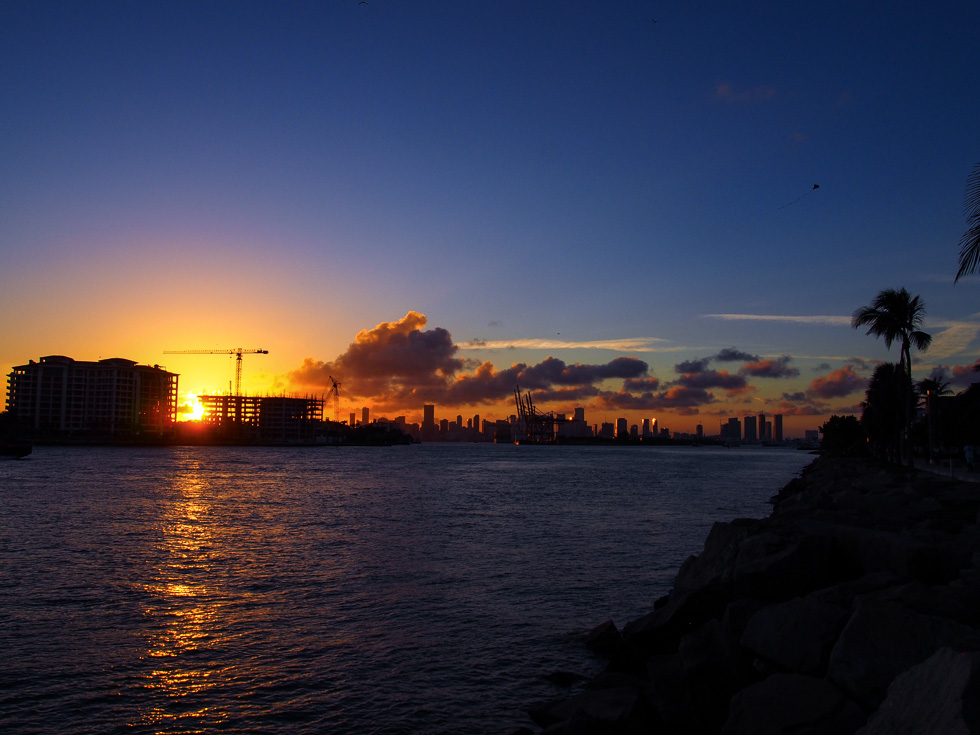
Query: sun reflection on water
184	615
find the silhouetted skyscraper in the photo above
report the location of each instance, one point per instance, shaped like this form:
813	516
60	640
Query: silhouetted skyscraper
750	432
777	430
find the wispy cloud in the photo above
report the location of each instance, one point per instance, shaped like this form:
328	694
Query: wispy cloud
955	338
818	319
631	344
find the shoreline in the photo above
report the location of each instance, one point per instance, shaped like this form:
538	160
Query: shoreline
838	613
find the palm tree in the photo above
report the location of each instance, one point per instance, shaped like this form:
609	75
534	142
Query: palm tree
896	316
970	242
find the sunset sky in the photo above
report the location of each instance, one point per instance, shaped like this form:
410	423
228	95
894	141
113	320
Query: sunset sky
436	201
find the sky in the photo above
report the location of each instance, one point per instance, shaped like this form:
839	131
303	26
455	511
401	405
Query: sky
611	205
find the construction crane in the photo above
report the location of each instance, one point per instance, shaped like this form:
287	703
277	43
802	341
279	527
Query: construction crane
336	399
237	352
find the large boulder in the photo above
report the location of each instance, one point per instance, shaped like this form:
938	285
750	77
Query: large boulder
881	640
940	695
786	704
797	635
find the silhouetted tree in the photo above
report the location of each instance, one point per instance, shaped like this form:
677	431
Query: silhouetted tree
970	242
843	436
883	417
896	316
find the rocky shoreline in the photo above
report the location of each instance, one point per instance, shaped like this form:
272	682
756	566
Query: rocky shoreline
854	607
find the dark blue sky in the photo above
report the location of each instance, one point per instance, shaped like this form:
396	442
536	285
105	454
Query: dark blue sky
197	175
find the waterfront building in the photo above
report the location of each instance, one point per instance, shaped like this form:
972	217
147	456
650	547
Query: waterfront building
699	431
777	430
646	428
59	397
750	432
621	429
365	416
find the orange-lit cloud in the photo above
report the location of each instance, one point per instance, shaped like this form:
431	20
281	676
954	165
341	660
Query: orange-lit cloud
402	365
770	368
839	383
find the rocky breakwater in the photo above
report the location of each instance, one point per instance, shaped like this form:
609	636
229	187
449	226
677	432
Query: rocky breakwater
855	607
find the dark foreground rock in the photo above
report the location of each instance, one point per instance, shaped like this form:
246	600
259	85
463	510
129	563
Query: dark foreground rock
854	607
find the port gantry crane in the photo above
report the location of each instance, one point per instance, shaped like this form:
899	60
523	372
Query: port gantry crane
335	389
238	352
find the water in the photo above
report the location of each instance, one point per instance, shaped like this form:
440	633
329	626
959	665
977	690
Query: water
420	589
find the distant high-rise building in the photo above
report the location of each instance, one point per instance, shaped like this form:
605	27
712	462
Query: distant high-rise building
731	430
750	434
646	428
353	418
429	431
778	427
762	426
476	422
580	414
699	431
365	415
621	429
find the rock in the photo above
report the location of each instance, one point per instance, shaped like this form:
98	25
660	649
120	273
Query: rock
778	567
796	636
604	638
711	669
883	639
792	703
672	695
610	710
940	695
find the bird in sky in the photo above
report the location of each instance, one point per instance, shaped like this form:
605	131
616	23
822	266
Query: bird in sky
815	186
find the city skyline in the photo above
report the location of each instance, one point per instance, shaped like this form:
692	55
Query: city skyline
442	203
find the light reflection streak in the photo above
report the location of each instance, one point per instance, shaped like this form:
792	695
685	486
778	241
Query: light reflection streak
183	614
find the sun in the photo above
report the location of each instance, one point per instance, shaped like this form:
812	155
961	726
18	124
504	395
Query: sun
191	409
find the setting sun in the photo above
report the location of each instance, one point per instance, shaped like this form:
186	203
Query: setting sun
191	409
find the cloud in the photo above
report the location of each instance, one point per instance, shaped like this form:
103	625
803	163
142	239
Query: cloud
677	399
963	376
955	338
389	363
631	344
838	383
402	365
693	366
825	320
727	93
723	379
730	354
777	368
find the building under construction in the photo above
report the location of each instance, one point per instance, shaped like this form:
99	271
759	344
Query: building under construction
58	398
266	419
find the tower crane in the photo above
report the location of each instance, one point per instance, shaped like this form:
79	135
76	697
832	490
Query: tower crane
336	399
237	352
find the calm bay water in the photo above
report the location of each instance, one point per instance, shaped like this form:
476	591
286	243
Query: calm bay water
420	589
